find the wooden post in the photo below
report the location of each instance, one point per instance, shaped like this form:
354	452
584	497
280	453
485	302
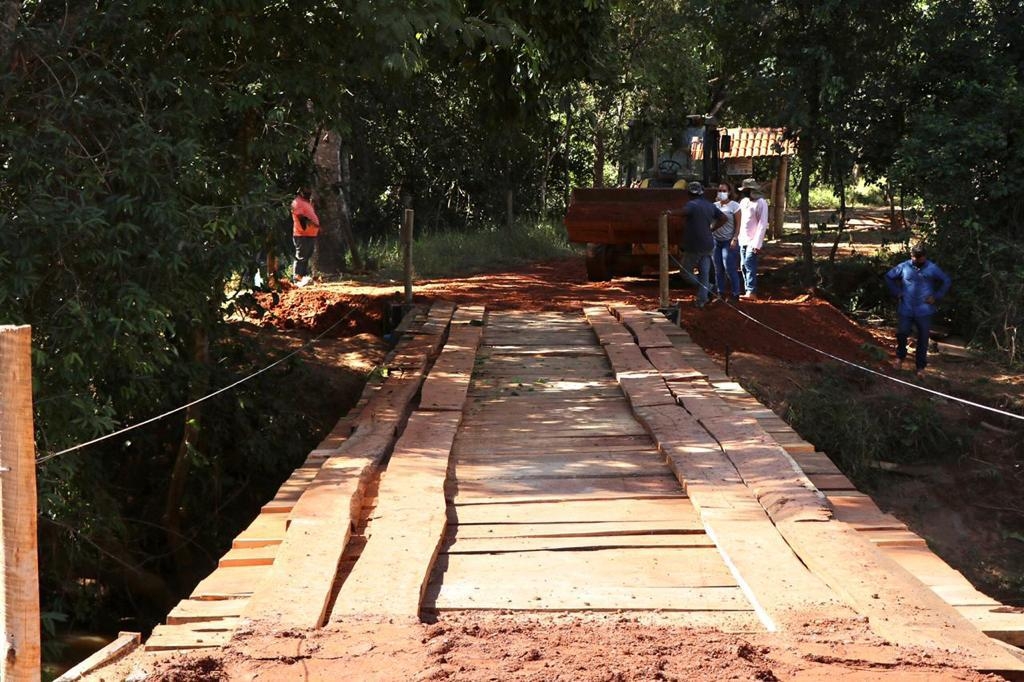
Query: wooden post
407	223
19	596
663	261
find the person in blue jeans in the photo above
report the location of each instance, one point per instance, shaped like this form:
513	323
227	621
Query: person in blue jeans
918	284
701	217
726	256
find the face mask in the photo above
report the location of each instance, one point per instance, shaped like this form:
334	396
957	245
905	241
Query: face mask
722	196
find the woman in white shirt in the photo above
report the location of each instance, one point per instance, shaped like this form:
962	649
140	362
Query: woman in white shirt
726	255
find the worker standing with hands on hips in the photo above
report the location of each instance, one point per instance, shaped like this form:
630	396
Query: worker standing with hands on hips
918	284
305	228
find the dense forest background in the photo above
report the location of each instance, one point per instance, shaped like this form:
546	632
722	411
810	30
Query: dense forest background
148	151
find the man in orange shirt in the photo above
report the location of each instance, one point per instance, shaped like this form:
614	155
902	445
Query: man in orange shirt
305	228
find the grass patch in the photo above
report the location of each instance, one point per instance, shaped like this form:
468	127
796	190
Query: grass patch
451	253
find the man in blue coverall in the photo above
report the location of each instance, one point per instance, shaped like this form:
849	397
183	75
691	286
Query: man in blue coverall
918	284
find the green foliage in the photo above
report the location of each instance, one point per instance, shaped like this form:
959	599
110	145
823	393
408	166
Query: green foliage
846	415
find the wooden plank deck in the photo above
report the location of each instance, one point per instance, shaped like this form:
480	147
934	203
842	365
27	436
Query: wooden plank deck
559	462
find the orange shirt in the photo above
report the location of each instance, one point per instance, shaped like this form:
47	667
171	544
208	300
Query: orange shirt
302	208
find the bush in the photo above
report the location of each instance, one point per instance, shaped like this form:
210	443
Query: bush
859	423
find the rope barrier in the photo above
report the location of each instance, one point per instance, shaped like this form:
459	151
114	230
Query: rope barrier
49	456
940	394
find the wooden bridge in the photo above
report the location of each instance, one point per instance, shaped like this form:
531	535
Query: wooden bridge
597	461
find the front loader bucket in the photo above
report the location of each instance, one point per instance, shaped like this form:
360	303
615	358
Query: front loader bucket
622	216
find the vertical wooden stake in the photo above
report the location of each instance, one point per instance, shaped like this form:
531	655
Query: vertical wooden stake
20	569
407	223
663	261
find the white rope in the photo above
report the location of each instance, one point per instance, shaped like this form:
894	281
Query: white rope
47	457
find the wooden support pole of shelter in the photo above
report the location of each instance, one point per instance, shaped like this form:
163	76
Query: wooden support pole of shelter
663	261
407	223
20	569
778	213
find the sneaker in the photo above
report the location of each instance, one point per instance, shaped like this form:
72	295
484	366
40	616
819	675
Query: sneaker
749	296
303	281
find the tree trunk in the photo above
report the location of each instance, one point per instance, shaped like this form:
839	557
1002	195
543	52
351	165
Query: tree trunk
842	222
779	198
10	11
173	509
806	156
598	156
568	141
329	258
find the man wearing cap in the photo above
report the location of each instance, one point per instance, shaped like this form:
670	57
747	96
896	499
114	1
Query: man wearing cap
750	233
701	218
918	284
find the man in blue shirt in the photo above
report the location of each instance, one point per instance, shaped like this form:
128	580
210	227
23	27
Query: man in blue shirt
918	284
701	218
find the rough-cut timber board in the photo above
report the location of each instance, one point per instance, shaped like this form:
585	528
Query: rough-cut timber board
502	545
125	643
231	582
249	556
265	529
675	508
405	536
191	635
511	468
201	610
578	529
296	590
569	595
997	621
565	488
609	567
862	513
581	444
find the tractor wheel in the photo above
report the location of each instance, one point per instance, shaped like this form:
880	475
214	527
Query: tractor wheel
599	262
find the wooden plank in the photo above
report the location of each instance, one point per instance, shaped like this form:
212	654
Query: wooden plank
1005	623
191	635
566	596
502	545
201	610
265	529
566	488
899	607
612	567
862	513
249	556
620	509
230	582
123	644
831	482
405	536
559	467
581	529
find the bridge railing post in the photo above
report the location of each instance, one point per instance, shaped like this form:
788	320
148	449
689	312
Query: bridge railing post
19	593
407	225
663	261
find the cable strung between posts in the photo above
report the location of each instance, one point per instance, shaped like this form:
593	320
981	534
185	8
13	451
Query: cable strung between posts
45	458
854	364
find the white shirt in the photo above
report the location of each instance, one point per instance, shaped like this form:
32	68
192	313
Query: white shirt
728	230
753	222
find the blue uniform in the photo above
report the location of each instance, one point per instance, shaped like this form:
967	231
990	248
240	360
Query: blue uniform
913	286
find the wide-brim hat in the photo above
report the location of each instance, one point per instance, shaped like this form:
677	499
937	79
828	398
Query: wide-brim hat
751	184
695	188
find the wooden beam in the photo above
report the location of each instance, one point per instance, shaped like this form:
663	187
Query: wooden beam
19	594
